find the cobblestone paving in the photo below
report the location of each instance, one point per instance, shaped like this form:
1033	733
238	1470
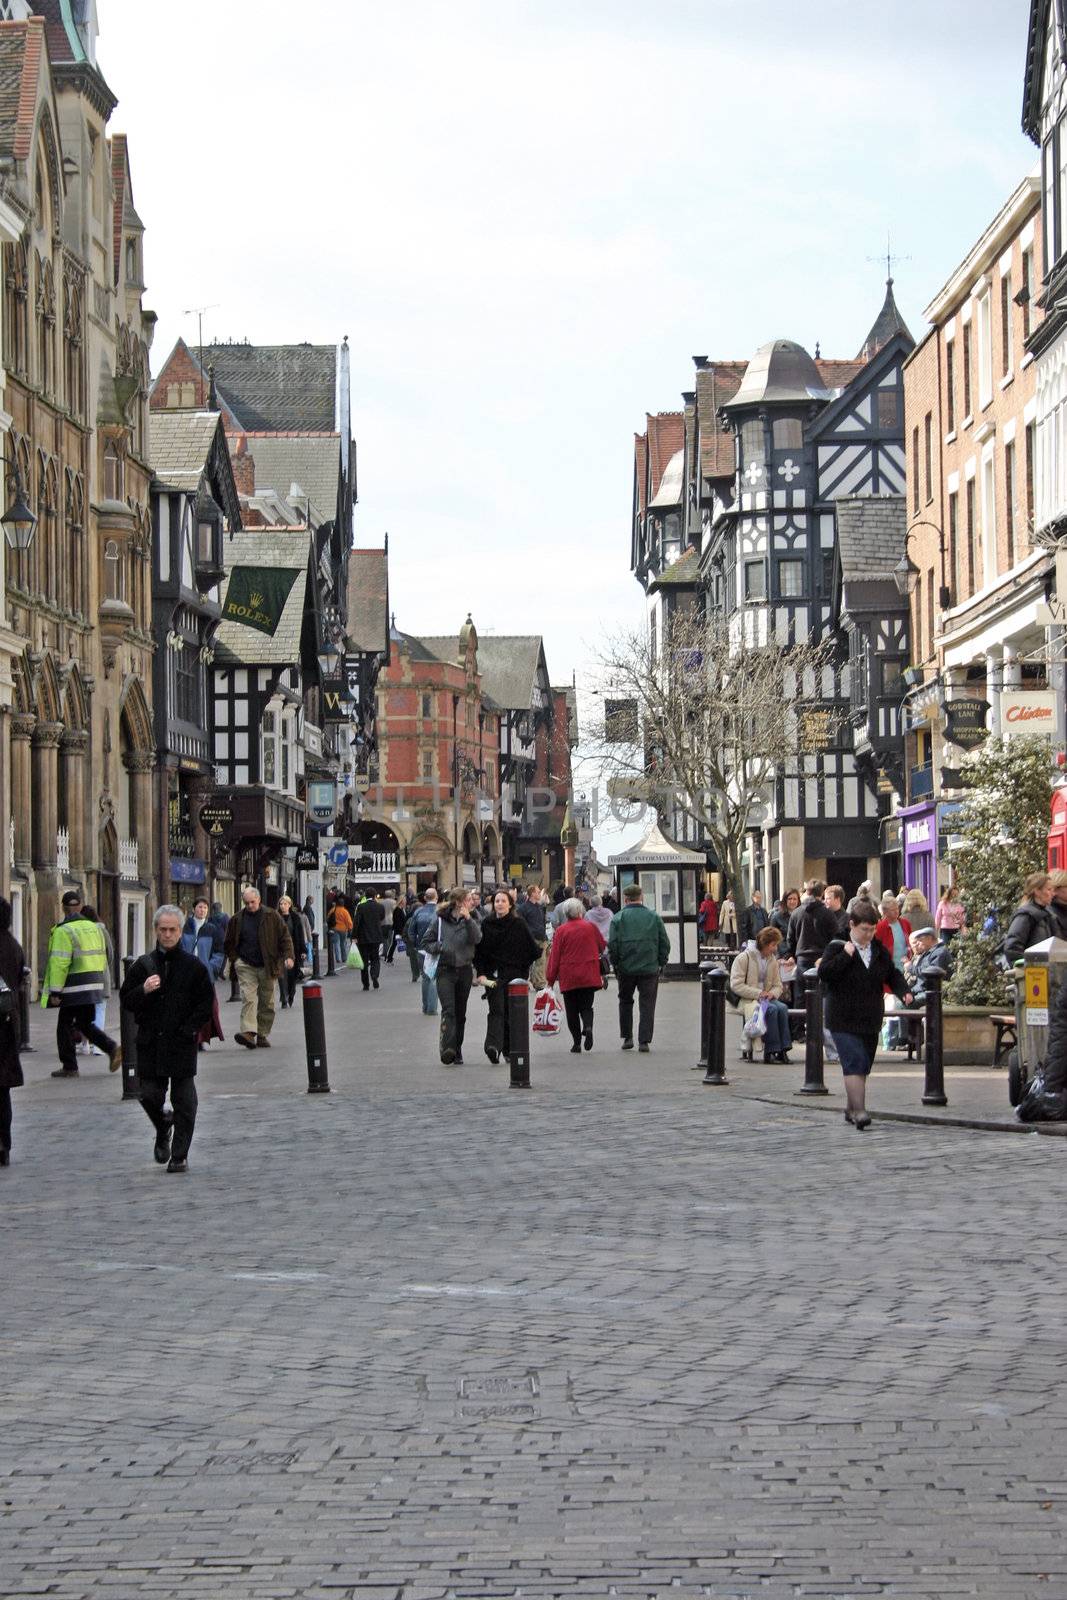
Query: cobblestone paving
426	1337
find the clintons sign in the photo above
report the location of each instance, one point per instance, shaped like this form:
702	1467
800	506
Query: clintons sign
1027	711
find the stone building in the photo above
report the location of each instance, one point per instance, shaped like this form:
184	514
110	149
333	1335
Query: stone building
77	749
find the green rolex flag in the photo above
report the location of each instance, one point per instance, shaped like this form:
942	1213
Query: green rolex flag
256	596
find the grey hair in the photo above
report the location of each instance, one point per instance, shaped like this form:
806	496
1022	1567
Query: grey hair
168	911
572	909
594	901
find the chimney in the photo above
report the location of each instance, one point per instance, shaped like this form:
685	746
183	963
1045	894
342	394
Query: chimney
244	468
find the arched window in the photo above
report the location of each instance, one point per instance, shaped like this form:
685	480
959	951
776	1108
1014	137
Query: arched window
47	529
16	307
74	519
114	472
73	366
20	562
46	328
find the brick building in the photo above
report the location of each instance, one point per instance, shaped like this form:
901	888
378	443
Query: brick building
979	583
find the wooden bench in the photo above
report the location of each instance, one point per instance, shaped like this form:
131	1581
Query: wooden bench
1004	1037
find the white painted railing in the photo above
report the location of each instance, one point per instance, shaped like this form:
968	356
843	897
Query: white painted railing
383	863
63	849
129	859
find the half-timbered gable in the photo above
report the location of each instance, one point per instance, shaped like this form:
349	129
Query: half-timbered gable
873	616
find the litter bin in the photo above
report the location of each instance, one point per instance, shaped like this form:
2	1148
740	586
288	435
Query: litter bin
1037	982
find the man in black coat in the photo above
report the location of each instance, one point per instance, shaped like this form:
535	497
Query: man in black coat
811	927
367	927
170	992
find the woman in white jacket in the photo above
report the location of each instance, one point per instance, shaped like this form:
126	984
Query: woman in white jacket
755	977
728	920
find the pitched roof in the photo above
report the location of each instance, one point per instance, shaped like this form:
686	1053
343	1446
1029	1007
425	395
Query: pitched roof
717	382
12	73
61	47
839	374
665	431
1033	77
442	647
368	599
508	667
415	648
680	573
313	460
277	388
266	547
179	443
872	536
887	325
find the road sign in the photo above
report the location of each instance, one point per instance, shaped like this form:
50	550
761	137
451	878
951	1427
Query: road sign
338	854
215	818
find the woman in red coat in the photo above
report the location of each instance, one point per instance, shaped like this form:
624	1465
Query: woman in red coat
574	962
894	932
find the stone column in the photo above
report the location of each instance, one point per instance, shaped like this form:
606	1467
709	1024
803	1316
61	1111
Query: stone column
45	808
22	726
140	765
73	749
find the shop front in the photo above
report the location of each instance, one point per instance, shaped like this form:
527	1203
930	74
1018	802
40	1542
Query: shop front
920	849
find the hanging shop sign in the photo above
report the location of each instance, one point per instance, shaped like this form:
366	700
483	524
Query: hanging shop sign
1027	711
321	803
216	818
184	870
257	596
966	722
307	860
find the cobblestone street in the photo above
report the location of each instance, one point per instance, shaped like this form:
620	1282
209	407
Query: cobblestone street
428	1337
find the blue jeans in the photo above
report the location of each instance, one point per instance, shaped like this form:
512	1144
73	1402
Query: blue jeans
777	1018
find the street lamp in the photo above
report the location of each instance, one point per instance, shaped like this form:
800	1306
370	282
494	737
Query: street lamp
18	520
906	573
328	657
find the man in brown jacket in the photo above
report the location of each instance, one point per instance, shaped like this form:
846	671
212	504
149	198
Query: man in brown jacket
259	946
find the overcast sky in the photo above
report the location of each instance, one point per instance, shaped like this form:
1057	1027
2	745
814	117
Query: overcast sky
529	217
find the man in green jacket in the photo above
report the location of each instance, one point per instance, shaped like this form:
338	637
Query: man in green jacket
74	981
639	945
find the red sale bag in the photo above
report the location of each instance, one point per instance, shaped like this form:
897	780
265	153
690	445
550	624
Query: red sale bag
547	1013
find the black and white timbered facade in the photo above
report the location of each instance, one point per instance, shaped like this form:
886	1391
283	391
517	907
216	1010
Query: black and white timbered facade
195	509
810	437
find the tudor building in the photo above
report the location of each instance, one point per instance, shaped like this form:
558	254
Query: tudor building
76	342
808	435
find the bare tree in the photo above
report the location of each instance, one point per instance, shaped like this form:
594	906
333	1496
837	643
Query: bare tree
717	716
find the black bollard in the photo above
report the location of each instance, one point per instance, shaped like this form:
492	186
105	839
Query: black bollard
715	1034
813	1026
25	1047
131	1083
331	964
519	1033
934	1087
706	968
315	1037
316	970
235	993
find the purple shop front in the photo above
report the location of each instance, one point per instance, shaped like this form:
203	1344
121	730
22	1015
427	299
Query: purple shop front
919	840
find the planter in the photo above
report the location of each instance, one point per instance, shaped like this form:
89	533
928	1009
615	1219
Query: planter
967	1036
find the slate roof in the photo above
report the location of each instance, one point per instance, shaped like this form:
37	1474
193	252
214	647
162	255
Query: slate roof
415	648
872	537
313	460
508	668
368	600
887	325
266	547
179	443
442	647
60	46
277	388
681	572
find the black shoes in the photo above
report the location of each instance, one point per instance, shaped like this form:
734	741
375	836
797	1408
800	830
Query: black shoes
459	1058
494	1055
262	1042
642	1049
576	1049
627	1044
5	1158
376	984
589	1040
447	1057
177	1166
161	1148
861	1120
66	1072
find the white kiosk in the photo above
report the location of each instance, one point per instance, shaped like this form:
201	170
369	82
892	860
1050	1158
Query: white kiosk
672	880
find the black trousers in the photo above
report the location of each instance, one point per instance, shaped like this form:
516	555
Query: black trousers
288	981
578	1004
497	1025
372	962
453	991
78	1019
5	1119
183	1098
646	985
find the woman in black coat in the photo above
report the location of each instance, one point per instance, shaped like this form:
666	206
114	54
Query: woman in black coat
856	974
170	992
12	962
507	950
